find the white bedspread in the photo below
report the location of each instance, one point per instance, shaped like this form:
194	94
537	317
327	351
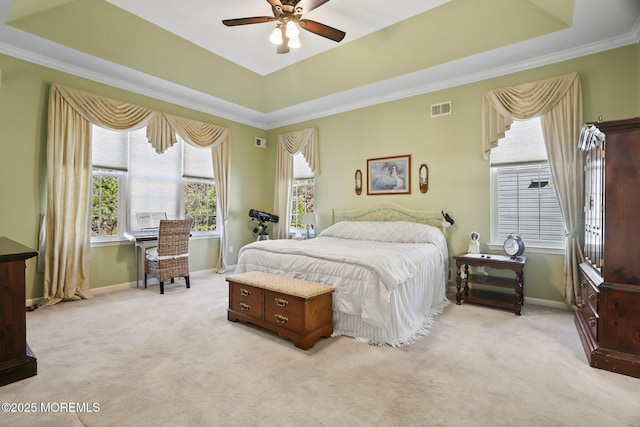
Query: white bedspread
364	273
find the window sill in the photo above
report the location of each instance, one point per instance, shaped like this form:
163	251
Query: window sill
538	248
122	241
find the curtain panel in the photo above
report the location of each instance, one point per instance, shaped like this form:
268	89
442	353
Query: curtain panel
67	236
305	142
558	101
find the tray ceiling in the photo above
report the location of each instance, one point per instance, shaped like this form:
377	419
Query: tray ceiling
180	51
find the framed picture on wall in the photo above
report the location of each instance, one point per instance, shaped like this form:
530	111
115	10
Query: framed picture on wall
389	175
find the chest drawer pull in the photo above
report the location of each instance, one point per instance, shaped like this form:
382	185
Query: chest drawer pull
281	302
245	306
245	292
592	322
592	296
281	319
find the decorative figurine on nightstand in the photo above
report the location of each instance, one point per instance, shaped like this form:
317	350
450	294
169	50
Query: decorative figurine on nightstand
474	243
474	248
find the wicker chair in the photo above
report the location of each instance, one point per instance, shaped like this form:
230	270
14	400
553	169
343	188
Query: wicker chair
171	258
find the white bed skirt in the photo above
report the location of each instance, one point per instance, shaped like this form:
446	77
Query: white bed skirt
412	314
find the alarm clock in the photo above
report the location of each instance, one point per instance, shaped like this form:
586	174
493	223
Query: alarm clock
513	245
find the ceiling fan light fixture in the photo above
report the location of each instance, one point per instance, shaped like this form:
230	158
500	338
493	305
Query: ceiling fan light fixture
292	30
294	42
276	36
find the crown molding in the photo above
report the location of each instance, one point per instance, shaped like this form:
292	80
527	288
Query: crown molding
486	65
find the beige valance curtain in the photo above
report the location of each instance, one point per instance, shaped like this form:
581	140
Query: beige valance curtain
71	113
558	102
305	142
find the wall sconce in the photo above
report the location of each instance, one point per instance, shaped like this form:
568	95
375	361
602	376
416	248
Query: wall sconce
358	179
423	178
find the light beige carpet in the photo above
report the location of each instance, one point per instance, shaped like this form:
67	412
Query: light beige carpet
144	359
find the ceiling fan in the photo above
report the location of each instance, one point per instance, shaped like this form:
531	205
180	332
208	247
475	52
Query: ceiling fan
287	13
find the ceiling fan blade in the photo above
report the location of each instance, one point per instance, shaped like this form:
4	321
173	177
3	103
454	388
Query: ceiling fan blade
322	30
309	5
245	21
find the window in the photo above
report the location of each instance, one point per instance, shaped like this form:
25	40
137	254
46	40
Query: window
126	168
302	194
524	199
200	203
106	200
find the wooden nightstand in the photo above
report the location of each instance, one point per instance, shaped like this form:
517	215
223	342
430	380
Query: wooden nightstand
487	297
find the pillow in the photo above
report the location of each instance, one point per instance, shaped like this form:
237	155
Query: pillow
384	231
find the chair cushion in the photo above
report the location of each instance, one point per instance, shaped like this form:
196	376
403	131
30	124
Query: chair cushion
152	255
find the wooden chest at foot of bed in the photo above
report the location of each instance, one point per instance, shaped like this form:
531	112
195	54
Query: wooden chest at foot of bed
295	309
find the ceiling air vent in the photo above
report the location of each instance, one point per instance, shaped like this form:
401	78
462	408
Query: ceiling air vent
442	109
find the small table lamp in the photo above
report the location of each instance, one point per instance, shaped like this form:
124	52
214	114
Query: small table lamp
308	219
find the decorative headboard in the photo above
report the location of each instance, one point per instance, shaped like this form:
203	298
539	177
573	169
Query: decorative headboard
386	211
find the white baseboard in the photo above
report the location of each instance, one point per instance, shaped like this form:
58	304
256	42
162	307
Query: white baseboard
34	302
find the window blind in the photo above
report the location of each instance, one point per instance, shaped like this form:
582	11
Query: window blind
301	168
109	148
522	143
198	162
155	180
531	211
527	202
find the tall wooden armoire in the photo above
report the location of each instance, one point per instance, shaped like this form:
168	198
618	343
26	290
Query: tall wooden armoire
608	317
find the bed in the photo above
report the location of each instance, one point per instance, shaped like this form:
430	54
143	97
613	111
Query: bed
387	264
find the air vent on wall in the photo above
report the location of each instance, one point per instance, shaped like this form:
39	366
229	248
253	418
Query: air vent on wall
261	142
442	109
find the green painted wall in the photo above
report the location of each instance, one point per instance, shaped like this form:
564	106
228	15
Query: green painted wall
450	145
23	123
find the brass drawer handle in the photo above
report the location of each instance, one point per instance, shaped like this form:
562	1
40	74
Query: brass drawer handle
592	296
281	319
281	302
245	292
592	322
583	284
245	306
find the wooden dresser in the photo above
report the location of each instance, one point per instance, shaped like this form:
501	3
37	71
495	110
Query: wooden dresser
17	362
295	309
608	315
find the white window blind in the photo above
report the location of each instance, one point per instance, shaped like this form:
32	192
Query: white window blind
522	143
109	148
301	168
198	162
526	199
155	180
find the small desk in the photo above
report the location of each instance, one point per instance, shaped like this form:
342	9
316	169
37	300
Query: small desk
486	297
142	240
